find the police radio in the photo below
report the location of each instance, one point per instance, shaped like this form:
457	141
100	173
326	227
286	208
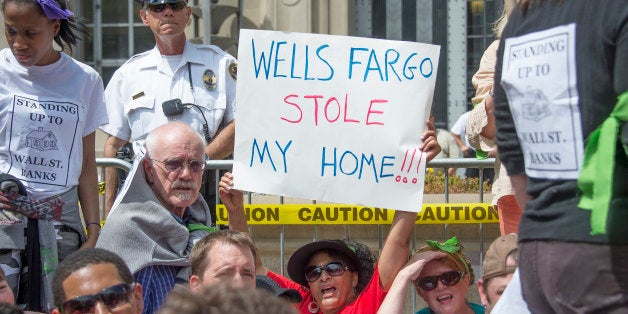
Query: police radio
175	107
172	107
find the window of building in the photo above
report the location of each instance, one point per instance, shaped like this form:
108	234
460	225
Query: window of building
117	33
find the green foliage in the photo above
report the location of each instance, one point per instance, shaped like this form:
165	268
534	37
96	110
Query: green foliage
435	184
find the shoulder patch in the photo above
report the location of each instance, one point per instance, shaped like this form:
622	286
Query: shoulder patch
213	48
233	70
137	57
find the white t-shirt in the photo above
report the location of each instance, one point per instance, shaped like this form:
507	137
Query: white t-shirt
460	128
45	111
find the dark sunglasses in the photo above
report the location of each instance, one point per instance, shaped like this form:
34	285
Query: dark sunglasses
173	6
173	165
332	269
430	283
111	297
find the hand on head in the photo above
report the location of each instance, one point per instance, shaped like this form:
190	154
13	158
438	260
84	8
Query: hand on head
418	260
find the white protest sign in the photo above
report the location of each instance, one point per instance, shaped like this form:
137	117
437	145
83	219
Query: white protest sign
333	118
539	78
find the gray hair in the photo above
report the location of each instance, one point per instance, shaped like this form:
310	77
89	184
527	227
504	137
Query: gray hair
155	135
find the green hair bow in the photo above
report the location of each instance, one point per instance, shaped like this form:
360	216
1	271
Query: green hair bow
452	247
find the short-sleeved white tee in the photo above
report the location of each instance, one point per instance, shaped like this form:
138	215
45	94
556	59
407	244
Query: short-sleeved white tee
45	111
459	128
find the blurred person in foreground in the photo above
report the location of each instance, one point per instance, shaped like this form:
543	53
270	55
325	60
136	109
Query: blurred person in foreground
224	298
441	274
559	134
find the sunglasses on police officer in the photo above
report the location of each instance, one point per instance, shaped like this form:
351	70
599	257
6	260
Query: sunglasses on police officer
430	283
332	269
111	297
173	6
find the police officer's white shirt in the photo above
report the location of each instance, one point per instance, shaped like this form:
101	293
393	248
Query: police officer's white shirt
135	94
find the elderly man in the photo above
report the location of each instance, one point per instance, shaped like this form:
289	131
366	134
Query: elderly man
95	281
224	256
178	80
160	214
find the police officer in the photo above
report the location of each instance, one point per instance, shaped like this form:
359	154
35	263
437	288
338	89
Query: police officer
176	80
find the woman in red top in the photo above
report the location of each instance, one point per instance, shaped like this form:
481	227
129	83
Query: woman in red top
328	273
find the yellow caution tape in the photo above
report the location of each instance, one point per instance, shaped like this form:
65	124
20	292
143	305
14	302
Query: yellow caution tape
341	214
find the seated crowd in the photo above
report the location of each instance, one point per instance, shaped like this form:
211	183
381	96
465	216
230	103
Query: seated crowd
158	253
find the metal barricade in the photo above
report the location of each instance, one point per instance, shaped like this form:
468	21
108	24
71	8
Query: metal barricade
218	165
320	229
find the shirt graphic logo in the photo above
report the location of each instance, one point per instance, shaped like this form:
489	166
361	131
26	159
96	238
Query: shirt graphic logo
535	105
41	140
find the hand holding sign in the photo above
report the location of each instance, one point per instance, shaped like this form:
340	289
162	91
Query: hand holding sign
333	118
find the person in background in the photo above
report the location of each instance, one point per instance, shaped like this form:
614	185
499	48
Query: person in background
449	147
161	214
95	281
441	275
500	262
458	132
573	240
480	130
223	256
50	108
176	80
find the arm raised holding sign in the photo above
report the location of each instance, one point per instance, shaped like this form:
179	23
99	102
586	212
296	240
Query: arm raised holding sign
336	275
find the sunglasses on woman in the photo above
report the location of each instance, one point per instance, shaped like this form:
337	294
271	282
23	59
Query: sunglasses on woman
173	6
332	269
430	283
111	297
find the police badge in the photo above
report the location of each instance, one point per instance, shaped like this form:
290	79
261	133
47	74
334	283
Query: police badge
209	78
